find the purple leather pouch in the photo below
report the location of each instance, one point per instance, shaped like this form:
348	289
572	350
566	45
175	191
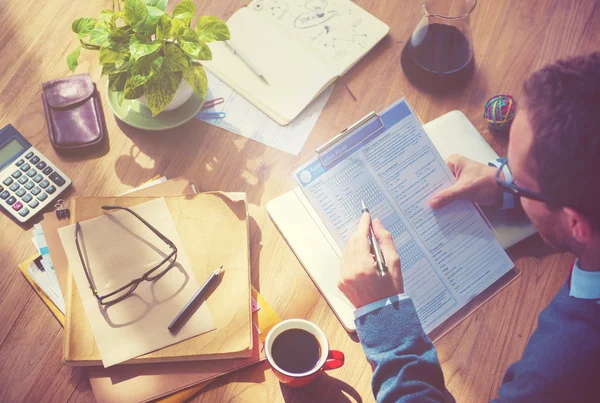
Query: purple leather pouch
73	114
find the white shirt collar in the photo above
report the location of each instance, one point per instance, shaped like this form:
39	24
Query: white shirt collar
584	284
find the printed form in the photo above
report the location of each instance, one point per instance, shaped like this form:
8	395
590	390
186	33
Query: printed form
449	255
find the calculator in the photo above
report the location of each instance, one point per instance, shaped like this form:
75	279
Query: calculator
28	180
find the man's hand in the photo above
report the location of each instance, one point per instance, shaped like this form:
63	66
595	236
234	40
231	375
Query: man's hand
474	182
359	279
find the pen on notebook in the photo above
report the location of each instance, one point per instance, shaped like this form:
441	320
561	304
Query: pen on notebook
186	309
381	266
239	54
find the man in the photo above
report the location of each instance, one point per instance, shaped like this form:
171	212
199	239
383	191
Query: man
554	160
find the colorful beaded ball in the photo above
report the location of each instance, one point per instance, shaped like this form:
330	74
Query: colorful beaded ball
500	111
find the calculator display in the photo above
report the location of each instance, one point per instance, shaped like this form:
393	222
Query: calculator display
8	150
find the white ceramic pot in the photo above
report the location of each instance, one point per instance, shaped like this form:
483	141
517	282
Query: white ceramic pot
184	92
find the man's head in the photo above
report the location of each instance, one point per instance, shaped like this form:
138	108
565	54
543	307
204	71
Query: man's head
554	149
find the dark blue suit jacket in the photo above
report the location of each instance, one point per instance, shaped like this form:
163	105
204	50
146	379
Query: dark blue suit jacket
561	362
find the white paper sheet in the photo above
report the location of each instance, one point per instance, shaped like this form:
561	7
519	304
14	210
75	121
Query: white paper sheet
118	249
46	278
449	255
247	120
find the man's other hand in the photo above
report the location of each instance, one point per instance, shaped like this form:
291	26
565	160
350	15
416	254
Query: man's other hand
359	279
474	182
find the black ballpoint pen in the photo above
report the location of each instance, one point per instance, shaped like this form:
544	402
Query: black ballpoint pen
184	312
381	266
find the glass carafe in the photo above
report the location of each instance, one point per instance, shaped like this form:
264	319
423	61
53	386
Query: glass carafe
438	56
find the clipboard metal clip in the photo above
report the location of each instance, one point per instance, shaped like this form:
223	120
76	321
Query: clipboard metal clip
320	151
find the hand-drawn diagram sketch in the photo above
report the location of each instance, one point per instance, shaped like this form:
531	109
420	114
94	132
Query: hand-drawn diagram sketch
332	26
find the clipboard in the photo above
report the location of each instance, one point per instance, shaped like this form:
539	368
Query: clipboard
318	251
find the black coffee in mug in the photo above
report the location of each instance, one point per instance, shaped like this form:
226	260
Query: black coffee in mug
296	351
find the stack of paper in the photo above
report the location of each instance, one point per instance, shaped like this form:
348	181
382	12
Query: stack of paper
142	382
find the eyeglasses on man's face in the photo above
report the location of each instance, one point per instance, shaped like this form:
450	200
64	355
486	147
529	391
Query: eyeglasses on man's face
153	274
519	191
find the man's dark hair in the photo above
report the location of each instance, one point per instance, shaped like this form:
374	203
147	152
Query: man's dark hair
563	105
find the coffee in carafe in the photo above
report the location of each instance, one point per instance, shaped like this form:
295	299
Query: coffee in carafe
439	55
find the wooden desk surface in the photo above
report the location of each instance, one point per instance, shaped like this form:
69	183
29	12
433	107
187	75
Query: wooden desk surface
511	39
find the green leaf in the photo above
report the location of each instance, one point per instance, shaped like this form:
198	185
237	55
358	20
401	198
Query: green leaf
108	69
106	17
73	59
212	29
133	93
139	46
185	6
197	50
120	36
134	87
175	59
186	18
101	36
83	26
120	97
163	28
176	25
187	34
161	4
146	66
135	13
160	90
116	82
117	54
154	15
196	78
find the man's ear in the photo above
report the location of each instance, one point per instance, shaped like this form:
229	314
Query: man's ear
580	226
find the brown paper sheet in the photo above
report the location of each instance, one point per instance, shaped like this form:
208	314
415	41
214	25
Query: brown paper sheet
214	231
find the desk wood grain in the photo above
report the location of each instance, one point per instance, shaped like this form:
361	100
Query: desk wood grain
511	38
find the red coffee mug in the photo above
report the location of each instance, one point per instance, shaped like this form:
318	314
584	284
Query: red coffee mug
329	359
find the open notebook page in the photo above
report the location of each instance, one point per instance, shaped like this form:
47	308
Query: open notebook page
338	32
294	76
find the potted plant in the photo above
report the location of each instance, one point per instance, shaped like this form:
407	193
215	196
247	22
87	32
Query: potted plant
149	54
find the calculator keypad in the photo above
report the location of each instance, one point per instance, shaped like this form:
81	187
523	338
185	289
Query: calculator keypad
29	184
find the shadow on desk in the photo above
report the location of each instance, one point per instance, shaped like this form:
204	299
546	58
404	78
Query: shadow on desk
200	152
323	389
